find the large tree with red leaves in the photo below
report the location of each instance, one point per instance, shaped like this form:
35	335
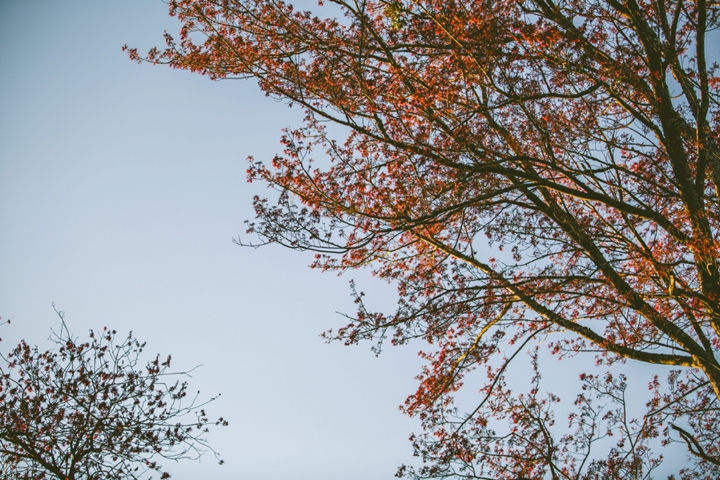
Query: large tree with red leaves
524	171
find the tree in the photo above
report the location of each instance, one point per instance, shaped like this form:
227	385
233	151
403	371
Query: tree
85	411
524	171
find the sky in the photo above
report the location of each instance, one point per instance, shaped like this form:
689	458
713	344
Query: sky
121	188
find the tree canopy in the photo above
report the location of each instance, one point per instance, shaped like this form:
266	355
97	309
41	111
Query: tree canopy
90	411
525	172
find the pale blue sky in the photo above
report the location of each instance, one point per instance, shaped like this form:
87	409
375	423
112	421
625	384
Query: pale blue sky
121	187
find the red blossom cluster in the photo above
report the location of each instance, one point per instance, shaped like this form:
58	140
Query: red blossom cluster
524	171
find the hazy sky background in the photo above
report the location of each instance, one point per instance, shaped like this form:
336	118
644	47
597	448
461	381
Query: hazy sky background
121	187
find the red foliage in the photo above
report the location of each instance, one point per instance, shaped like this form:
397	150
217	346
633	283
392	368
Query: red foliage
580	135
